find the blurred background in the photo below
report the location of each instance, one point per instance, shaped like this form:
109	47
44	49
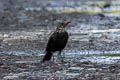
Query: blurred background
25	24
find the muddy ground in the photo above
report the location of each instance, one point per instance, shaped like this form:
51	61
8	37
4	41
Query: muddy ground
31	68
24	33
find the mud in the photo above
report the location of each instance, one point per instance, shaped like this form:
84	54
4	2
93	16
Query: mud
25	28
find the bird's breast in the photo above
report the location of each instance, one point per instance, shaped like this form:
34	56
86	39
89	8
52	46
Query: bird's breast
61	38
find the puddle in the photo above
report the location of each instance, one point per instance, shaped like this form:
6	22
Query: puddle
72	74
104	60
74	55
76	68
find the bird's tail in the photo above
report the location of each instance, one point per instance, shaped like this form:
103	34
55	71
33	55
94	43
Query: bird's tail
47	56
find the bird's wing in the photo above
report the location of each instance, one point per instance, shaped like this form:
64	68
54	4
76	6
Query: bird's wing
51	41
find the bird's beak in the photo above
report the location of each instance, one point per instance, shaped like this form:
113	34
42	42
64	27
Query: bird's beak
67	22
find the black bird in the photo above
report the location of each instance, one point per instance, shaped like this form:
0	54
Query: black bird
57	41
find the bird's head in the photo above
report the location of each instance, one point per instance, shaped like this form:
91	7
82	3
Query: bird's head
61	26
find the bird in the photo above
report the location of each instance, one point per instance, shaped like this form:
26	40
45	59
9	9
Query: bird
57	41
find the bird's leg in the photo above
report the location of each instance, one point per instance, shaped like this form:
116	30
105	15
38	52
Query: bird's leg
53	58
63	55
59	54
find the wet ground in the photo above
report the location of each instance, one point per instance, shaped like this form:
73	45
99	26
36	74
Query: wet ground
25	27
74	67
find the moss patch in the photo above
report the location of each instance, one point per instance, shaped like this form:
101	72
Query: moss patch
115	12
77	10
86	11
109	55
